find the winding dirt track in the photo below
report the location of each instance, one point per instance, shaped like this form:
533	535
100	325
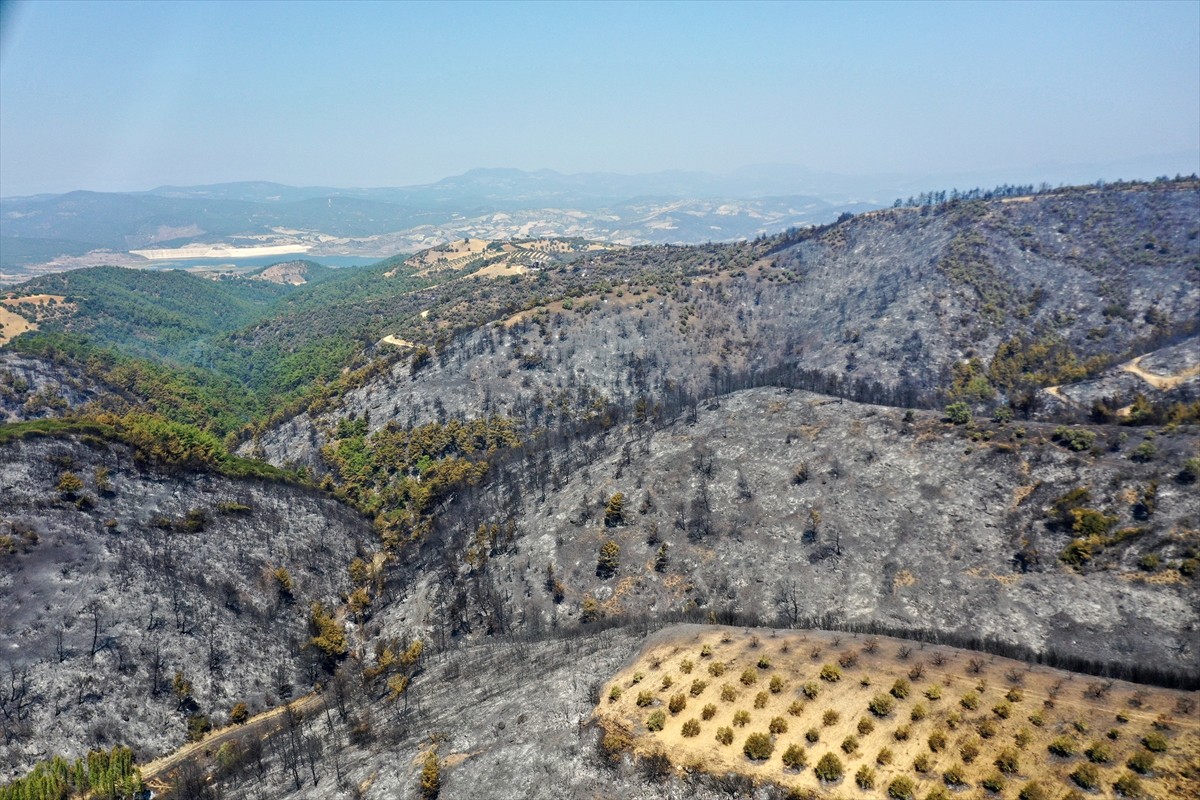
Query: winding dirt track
1160	381
157	772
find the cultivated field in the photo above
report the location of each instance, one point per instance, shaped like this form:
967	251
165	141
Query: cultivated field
896	718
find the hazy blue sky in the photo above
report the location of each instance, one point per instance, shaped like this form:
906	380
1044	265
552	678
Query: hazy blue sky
124	96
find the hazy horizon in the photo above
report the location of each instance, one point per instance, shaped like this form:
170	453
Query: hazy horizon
133	96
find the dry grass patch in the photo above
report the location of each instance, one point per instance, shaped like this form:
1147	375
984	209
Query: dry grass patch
894	716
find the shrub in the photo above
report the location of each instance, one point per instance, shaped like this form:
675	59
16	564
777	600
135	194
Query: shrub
812	735
1033	791
638	677
716	669
667	681
1014	695
656	721
686	666
725	736
1037	720
795	757
758	747
901	733
698	687
1086	776
1023	737
1002	710
614	694
609	559
986	728
1141	762
796	708
937	793
922	763
954	776
919	712
902	788
728	693
198	725
708	712
1007	762
865	726
969	701
900	689
884	757
848	659
865	778
1063	746
764	662
776	684
937	741
1128	786
881	705
811	690
1155	742
741	719
1076	439
645	698
993	782
830	717
691	728
968	751
830	673
829	768
934	692
760	700
849	744
1098	753
677	703
706	651
749	677
239	714
958	413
